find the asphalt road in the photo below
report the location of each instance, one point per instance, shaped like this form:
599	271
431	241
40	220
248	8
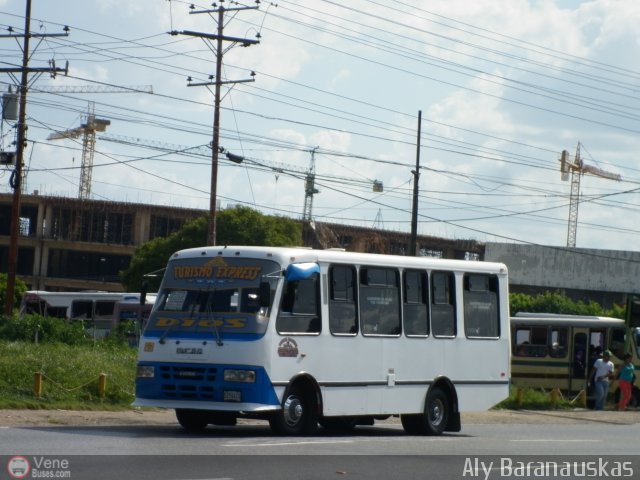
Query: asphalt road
152	445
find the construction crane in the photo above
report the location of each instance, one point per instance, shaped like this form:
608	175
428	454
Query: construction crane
577	168
204	151
88	129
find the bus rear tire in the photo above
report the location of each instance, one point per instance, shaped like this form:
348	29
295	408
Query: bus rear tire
434	420
298	415
436	412
192	421
413	424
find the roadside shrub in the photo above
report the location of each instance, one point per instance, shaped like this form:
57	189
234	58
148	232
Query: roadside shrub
39	329
533	399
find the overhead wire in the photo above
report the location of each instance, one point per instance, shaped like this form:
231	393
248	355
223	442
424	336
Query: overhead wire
233	110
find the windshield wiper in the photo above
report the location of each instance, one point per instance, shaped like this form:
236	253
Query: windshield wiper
215	325
162	340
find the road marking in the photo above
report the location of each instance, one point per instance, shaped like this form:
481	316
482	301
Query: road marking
278	444
554	440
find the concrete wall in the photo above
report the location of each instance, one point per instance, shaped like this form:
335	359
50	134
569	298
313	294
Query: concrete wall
568	268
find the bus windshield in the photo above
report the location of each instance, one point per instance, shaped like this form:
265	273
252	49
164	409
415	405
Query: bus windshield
213	297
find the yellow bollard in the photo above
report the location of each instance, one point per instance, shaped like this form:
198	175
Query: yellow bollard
102	384
583	399
519	396
555	396
37	384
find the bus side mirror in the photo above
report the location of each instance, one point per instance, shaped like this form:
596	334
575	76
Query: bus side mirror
265	294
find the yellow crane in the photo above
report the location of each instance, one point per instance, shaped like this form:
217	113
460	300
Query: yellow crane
576	167
87	130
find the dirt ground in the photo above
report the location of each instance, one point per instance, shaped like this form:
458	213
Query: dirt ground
26	418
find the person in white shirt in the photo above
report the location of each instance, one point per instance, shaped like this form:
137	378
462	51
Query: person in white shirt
601	373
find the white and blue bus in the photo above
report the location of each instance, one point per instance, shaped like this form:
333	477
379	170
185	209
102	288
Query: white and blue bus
302	337
100	312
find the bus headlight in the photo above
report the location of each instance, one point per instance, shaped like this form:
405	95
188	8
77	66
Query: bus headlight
145	371
244	376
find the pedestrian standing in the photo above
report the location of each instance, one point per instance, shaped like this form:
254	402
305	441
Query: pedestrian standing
626	377
601	373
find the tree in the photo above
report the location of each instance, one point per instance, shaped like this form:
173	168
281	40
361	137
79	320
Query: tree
19	288
553	302
235	226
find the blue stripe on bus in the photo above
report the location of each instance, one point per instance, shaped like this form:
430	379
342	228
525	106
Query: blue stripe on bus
204	336
203	382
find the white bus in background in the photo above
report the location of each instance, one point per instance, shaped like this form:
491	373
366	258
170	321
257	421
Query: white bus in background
302	337
101	312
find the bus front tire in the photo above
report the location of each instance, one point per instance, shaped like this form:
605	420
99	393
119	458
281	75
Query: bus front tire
192	421
298	415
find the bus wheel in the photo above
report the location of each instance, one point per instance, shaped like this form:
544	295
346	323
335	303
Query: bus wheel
413	424
298	414
191	420
436	412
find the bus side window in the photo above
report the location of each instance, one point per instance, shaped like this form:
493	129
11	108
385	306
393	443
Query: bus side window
531	342
300	307
343	318
616	343
82	309
480	298
415	311
596	345
379	301
443	301
104	309
559	342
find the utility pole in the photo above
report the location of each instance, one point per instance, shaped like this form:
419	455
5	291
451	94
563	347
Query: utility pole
310	188
16	176
416	178
215	144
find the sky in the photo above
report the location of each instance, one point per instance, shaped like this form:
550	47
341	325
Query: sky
501	88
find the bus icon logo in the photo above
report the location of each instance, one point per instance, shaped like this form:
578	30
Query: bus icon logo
18	467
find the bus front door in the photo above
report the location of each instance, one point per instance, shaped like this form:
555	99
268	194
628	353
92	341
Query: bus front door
579	364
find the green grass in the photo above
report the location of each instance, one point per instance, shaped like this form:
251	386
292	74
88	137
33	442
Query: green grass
534	399
70	378
70	375
71	363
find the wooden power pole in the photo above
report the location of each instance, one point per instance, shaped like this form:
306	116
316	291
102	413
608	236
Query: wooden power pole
219	38
16	176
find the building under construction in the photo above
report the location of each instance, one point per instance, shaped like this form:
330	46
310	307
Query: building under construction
79	244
